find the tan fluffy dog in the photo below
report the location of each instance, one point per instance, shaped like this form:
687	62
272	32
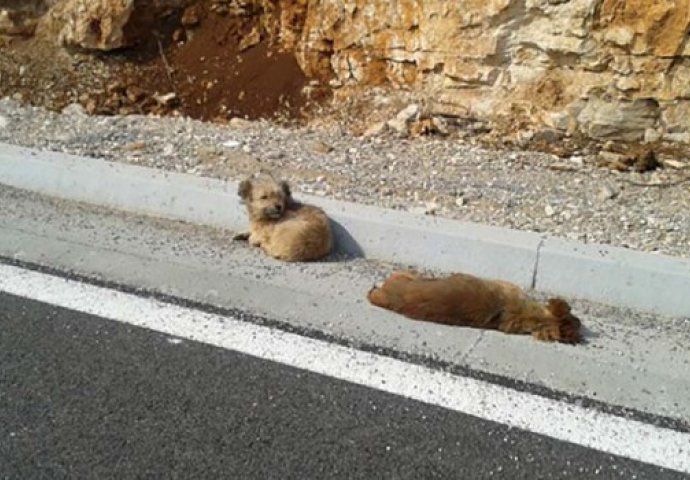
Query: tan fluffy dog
284	229
466	300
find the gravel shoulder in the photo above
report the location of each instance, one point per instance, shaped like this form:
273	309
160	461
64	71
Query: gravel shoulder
569	198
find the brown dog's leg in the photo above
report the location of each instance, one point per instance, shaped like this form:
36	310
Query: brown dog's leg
377	296
401	276
404	275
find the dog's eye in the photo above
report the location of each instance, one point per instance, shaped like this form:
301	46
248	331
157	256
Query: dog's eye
263	197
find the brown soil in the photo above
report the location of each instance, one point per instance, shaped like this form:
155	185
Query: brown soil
213	67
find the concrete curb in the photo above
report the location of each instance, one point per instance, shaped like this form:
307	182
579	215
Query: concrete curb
616	276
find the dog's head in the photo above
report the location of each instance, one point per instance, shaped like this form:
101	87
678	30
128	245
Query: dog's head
569	324
265	198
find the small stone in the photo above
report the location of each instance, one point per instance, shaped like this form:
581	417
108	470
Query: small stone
547	136
166	100
320	147
402	120
74	109
191	17
683	137
607	192
135	146
91	106
375	129
670	163
440	125
614	161
460	201
549	211
409	113
168	150
4	122
179	35
274	155
238	122
251	39
232	143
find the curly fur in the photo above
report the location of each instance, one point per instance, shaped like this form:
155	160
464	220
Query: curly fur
284	229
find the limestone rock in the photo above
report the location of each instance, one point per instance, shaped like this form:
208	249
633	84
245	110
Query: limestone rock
540	59
103	24
403	119
618	119
611	69
93	24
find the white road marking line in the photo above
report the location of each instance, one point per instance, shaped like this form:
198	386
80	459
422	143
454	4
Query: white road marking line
590	428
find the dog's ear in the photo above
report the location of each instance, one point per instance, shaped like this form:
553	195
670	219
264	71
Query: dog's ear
558	307
286	189
245	189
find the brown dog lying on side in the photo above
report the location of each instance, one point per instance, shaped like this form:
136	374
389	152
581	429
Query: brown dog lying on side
466	300
283	228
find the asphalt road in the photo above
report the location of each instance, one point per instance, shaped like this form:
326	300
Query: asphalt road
85	397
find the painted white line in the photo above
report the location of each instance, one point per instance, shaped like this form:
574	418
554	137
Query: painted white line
589	428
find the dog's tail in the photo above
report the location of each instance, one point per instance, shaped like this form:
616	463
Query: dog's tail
377	296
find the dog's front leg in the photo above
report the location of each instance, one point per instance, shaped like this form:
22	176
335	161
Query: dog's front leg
241	237
255	240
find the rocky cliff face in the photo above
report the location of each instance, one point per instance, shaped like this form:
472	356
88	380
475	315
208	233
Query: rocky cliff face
607	69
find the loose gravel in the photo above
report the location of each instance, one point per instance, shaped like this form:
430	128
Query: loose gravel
570	198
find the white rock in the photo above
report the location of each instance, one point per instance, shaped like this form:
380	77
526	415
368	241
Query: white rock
232	143
166	99
549	211
238	122
75	110
607	192
4	122
440	125
409	113
168	150
401	121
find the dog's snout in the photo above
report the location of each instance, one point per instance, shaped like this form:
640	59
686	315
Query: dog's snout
278	207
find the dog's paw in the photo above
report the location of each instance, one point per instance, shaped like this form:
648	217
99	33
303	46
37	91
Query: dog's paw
377	296
241	237
565	330
569	330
